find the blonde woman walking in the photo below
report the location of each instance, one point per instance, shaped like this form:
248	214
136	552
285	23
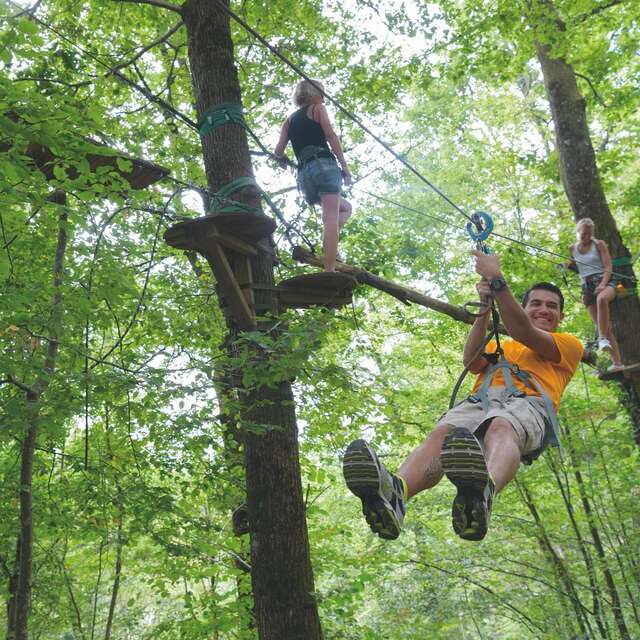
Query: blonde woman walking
319	177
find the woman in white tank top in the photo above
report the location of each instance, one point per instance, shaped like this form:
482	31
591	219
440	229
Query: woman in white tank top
591	258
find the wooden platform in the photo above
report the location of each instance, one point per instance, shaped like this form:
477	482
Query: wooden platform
627	372
228	241
236	231
332	290
141	175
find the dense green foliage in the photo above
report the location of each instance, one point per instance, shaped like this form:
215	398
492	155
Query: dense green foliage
456	88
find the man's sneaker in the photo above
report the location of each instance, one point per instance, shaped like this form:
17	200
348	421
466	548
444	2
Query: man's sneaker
604	344
464	464
381	493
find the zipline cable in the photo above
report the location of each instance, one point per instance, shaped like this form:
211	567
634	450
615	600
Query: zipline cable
355	119
504	238
176	113
337	104
185	119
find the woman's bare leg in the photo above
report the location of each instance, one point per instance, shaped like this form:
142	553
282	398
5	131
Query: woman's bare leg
604	328
330	211
604	298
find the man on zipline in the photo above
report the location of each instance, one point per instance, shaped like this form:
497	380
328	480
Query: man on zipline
510	416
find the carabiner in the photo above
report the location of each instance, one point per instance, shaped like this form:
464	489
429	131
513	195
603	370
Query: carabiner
484	225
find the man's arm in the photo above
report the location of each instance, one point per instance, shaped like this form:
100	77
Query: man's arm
471	356
514	317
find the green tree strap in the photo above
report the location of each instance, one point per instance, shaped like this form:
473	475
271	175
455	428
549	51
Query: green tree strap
233	205
621	262
215	117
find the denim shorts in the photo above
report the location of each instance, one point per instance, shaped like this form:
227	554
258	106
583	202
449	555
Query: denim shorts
317	177
589	288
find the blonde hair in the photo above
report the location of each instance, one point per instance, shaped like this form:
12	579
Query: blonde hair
585	222
304	91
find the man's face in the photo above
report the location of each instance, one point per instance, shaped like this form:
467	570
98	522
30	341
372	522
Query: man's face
543	309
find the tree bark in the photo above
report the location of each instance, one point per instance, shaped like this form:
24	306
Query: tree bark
581	181
13	588
120	539
282	577
34	398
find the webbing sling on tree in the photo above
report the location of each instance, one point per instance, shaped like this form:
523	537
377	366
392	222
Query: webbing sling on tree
219	115
624	288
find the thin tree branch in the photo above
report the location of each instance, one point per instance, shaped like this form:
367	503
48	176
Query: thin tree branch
593	89
30	11
596	10
72	598
155	43
71	85
20	385
521	615
156	3
144	287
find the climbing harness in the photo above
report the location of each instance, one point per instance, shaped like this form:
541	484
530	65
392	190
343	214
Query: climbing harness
509	370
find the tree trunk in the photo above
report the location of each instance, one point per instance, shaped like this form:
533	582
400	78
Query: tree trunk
282	576
120	539
581	181
13	588
34	396
23	592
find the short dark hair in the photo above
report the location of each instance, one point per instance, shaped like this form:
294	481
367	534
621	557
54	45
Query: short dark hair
547	286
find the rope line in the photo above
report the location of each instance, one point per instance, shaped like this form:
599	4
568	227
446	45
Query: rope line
504	238
379	140
339	106
193	125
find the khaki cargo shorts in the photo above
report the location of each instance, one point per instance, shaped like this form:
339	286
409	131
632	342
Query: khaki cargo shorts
527	417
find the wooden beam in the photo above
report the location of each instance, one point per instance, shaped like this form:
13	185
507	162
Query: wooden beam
142	174
234	297
242	269
231	242
402	293
407	295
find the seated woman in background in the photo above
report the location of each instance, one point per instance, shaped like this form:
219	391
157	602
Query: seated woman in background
319	177
591	258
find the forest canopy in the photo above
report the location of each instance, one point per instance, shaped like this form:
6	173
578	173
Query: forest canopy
119	465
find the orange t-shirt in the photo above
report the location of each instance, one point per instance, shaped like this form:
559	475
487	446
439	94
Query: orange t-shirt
553	376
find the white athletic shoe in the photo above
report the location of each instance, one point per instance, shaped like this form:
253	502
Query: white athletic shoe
604	344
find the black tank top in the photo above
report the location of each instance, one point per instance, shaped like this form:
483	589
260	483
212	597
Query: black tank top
304	132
